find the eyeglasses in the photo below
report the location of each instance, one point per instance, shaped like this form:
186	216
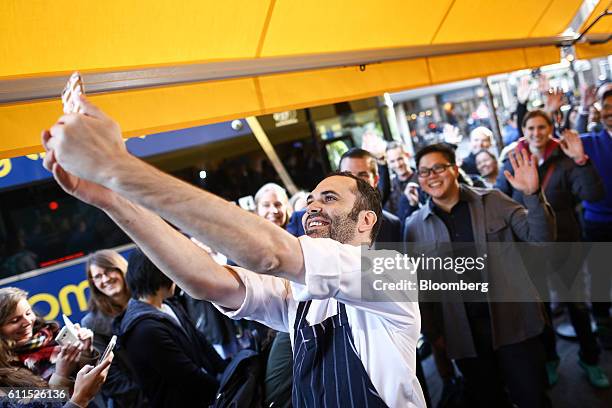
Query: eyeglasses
436	169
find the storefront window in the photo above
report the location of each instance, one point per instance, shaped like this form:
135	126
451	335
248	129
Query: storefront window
342	132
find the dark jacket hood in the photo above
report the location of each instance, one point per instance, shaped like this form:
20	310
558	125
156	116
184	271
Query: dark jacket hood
134	313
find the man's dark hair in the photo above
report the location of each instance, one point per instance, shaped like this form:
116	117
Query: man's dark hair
357	153
537	113
368	199
442	148
143	277
606	94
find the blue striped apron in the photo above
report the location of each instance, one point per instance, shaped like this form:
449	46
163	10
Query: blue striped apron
327	372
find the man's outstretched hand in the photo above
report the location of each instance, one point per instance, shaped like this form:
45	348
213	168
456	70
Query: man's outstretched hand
85	145
86	191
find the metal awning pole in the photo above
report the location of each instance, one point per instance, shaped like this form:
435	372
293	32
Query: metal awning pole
494	122
268	149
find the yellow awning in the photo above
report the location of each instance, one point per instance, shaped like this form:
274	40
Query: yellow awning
212	61
603	26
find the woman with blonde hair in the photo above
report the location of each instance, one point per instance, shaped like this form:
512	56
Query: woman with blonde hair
272	203
30	357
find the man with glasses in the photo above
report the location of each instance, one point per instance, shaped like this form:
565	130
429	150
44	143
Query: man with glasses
495	344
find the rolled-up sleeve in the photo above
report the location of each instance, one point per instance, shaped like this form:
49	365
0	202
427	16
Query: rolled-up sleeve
265	301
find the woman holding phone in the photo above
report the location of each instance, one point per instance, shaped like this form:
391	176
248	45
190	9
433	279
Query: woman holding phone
30	357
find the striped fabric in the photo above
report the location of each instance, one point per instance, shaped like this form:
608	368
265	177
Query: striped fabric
327	371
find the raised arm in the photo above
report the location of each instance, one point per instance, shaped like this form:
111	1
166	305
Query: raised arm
90	147
585	182
536	223
186	264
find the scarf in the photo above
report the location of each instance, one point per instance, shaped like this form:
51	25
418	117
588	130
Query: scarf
40	353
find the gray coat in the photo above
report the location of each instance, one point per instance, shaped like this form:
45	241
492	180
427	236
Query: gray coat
495	218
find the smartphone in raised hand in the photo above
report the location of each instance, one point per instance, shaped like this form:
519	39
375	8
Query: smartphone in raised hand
109	348
70	94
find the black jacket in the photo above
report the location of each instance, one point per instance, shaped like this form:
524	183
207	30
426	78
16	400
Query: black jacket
390	229
174	365
469	164
120	384
397	192
568	185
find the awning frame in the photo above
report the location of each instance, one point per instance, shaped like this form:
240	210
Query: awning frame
48	87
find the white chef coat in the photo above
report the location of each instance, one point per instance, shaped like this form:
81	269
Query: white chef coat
385	333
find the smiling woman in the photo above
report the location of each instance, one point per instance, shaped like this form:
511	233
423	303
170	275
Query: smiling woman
16	316
273	204
30	357
106	276
27	341
109	296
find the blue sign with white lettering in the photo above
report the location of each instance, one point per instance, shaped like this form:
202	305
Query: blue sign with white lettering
57	290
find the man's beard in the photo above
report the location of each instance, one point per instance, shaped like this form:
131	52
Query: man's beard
342	228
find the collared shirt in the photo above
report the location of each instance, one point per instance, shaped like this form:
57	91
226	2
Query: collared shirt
385	333
458	222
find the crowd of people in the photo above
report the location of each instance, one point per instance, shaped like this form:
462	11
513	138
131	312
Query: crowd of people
294	267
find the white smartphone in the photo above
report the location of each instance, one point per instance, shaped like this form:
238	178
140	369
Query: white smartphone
70	94
109	348
68	334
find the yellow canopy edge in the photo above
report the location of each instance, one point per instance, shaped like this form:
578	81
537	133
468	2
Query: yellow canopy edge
55	37
50	37
586	51
604	25
139	112
152	110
